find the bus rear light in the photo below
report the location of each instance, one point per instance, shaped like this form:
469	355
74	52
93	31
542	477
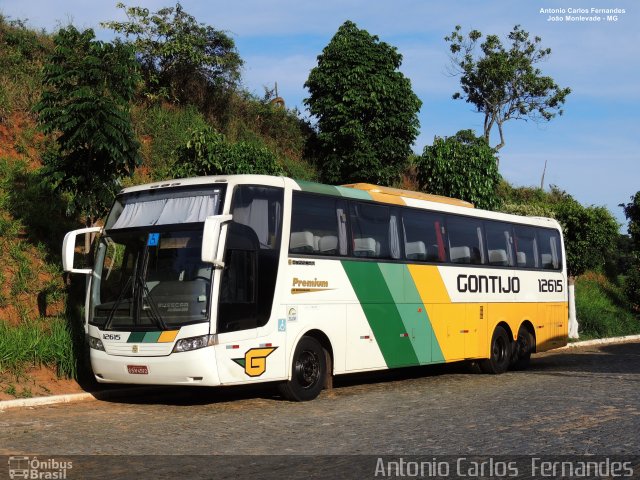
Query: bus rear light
266	345
232	347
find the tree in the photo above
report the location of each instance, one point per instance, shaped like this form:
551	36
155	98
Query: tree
88	86
502	83
589	234
632	212
181	59
365	109
463	166
632	280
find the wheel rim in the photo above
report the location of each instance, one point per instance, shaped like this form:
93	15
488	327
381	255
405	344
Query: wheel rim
500	350
307	369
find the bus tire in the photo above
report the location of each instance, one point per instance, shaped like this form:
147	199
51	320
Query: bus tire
500	354
524	346
308	372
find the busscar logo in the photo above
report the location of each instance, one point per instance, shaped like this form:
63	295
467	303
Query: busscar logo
255	360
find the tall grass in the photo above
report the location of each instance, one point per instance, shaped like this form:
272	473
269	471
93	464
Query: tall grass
37	343
602	308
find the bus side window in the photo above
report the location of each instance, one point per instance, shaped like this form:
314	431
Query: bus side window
374	230
526	247
423	236
317	225
252	253
466	243
260	208
549	248
499	244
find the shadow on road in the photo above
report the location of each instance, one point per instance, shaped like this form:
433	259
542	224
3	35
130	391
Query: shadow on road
621	358
606	359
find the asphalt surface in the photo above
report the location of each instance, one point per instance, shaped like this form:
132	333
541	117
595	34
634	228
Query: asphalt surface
582	401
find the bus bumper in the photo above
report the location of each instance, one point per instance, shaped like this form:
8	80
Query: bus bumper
197	367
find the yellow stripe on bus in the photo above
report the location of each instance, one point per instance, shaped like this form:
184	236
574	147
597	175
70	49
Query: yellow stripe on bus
168	336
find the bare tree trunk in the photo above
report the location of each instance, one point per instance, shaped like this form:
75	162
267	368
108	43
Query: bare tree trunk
501	144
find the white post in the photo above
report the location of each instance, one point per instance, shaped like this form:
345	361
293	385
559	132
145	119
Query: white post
573	321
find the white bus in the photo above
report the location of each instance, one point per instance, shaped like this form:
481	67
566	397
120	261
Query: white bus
232	280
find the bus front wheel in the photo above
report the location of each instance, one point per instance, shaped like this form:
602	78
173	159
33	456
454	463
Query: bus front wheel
308	374
500	354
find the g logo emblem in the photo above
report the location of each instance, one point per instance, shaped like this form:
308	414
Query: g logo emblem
255	360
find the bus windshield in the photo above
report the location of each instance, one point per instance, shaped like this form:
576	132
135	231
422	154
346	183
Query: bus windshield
150	280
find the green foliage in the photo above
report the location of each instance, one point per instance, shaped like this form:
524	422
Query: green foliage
208	153
88	88
181	59
248	118
589	232
162	128
503	83
588	235
365	108
632	212
462	166
22	53
602	308
632	280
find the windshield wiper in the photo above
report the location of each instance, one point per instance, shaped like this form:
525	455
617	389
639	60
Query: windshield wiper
140	291
116	304
153	308
146	294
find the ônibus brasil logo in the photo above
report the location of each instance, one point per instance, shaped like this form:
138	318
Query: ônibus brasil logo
27	467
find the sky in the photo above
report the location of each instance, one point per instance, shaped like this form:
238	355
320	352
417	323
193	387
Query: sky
592	151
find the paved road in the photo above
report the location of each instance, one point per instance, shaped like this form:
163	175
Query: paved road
579	401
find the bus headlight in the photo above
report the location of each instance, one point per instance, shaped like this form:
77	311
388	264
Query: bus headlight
193	343
96	343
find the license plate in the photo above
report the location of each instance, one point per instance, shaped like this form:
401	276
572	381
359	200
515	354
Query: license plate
138	369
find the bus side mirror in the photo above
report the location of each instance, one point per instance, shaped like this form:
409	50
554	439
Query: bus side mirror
211	238
69	247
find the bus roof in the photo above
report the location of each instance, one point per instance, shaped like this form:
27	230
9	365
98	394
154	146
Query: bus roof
398	192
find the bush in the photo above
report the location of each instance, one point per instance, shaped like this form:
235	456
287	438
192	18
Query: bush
463	166
163	128
588	231
602	308
208	153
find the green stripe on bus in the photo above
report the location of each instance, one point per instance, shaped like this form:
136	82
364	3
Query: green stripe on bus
151	337
136	337
332	190
412	312
382	313
317	188
354	193
412	296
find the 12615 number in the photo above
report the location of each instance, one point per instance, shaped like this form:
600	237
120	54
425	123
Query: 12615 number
549	286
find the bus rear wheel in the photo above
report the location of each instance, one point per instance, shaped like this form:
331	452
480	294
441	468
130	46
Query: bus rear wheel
308	373
524	346
500	354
